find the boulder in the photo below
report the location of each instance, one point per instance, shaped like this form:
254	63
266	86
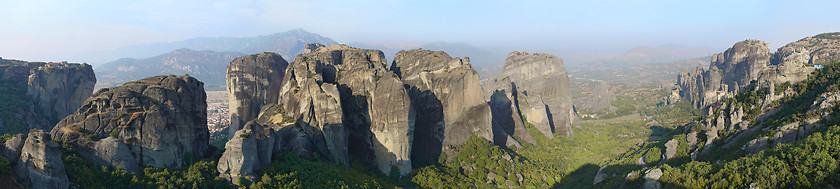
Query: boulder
249	150
159	121
448	98
671	149
600	176
786	134
756	145
12	147
652	179
40	164
252	82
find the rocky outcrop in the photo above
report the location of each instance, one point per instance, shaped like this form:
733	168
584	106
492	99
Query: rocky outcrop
750	61
545	98
507	122
158	121
338	102
40	164
392	125
327	90
448	99
671	149
252	82
598	98
51	90
247	151
652	179
12	147
288	135
600	176
61	88
756	145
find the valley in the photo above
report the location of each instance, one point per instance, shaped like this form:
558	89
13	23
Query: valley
298	109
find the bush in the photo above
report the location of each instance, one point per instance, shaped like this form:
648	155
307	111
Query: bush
653	155
114	133
5	165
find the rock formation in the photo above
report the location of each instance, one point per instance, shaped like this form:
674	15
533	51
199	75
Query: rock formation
158	121
448	99
252	82
506	119
544	83
535	87
12	147
247	151
52	90
652	179
750	61
392	125
598	99
60	88
337	101
39	164
671	149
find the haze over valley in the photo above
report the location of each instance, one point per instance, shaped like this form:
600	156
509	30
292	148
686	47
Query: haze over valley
426	94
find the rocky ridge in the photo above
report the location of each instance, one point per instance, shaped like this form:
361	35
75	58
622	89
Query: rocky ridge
750	62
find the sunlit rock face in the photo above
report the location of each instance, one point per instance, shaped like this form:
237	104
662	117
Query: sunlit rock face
448	98
159	121
252	82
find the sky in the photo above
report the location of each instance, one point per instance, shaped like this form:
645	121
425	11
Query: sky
37	30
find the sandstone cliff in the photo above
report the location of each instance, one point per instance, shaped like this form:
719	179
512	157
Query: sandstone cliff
252	82
448	99
158	121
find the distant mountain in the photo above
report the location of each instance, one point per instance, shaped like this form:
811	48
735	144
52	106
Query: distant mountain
207	66
648	55
288	44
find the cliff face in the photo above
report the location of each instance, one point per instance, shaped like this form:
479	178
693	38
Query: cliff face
448	99
48	91
60	89
544	91
337	101
392	125
252	82
38	161
750	61
158	121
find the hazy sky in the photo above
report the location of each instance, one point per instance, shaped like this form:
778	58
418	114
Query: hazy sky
53	30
